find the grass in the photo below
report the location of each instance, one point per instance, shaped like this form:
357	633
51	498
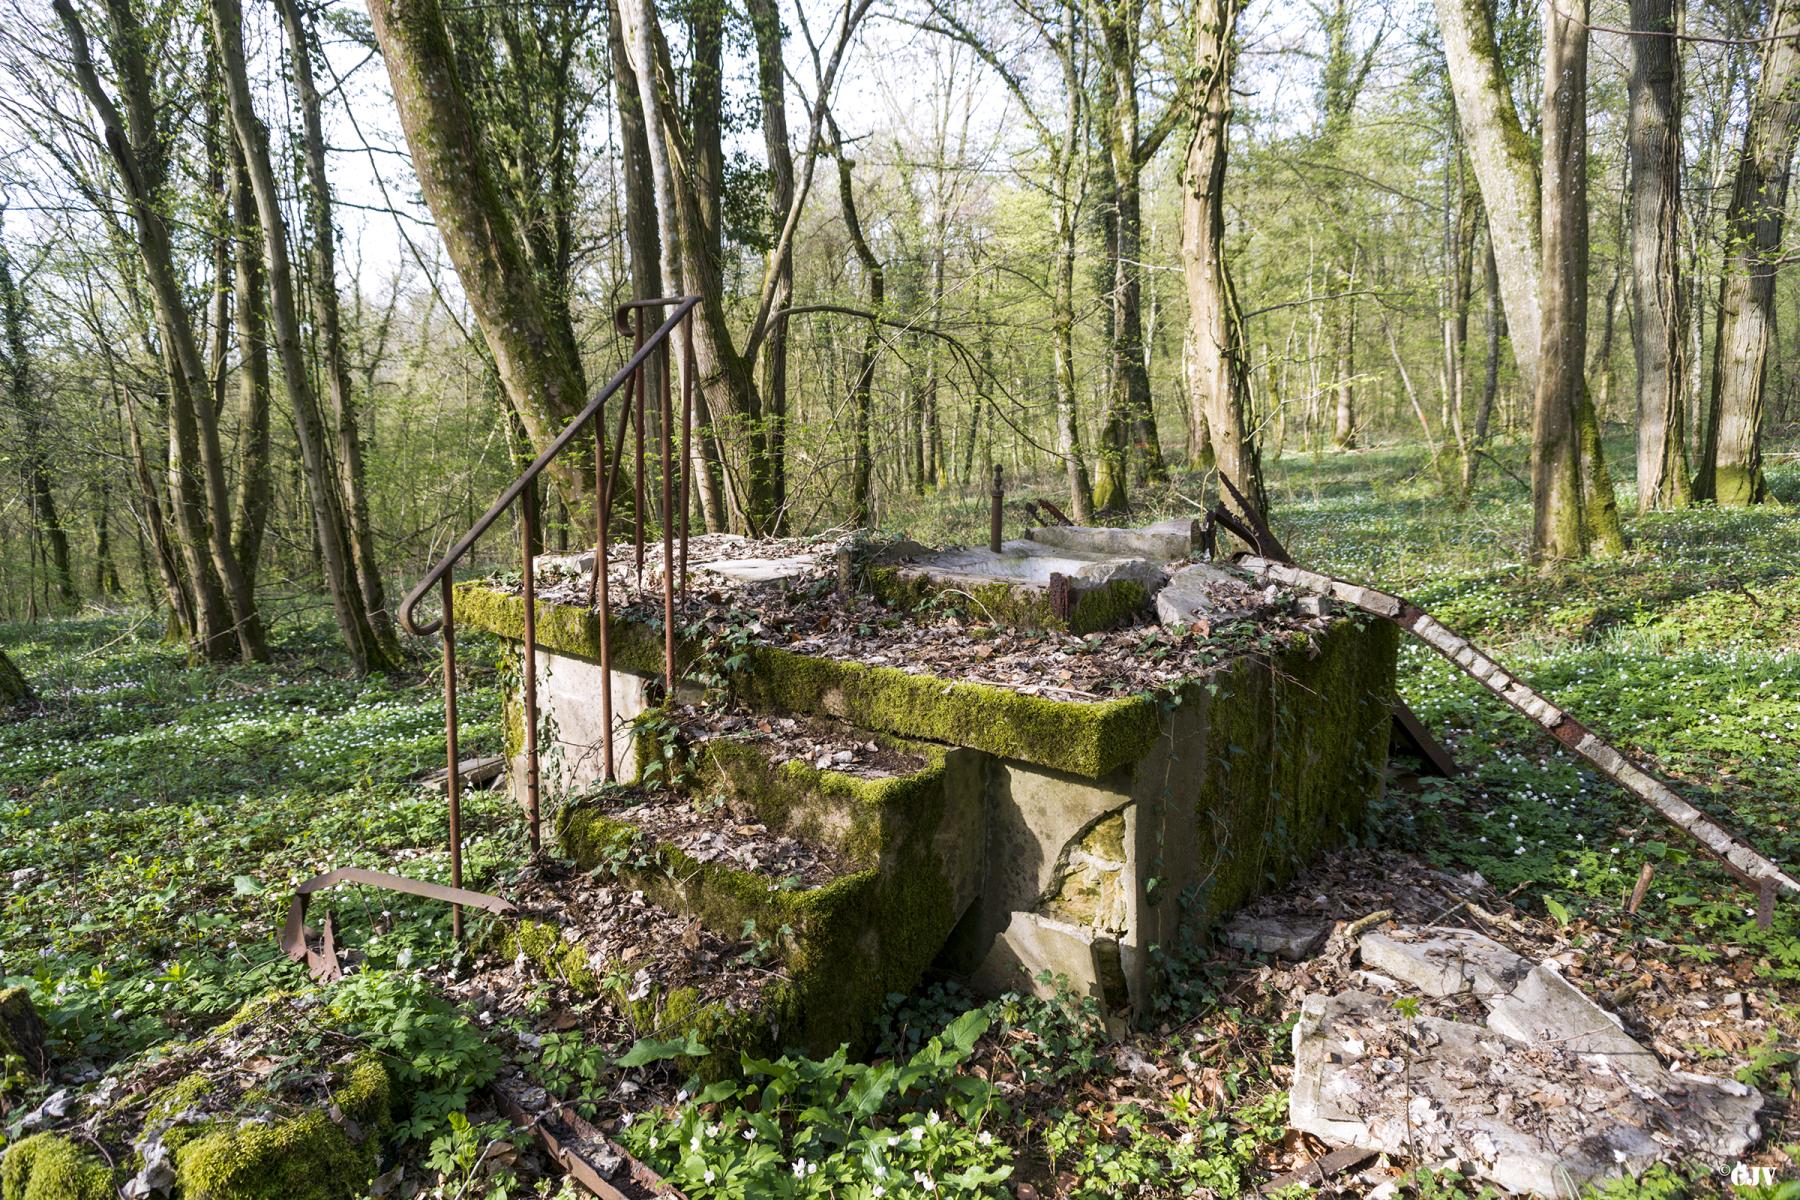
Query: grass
157	816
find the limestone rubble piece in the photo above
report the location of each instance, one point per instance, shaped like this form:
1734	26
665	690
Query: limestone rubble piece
1549	1096
1444	961
1292	940
760	570
1164	541
1203	592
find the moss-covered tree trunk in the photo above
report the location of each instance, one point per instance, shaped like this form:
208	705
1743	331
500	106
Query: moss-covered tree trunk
1217	373
1731	455
1659	324
537	361
1558	531
35	458
13	688
251	498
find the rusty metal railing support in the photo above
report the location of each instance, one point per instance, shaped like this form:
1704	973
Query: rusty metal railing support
452	781
996	505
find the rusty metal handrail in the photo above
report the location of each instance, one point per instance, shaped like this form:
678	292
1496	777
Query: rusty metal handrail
683	306
441	576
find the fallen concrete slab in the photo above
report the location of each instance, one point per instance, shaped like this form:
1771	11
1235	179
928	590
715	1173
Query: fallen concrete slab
1165	541
1203	592
1550	1095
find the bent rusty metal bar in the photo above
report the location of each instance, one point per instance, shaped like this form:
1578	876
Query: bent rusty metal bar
527	542
452	781
566	1135
637	483
687	449
667	420
323	962
408	614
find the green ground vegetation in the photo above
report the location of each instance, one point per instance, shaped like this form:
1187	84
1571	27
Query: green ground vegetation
157	815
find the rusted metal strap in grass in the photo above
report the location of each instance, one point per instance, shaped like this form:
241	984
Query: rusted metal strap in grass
1756	872
590	1158
296	939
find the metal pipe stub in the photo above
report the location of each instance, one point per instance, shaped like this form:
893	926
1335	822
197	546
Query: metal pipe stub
296	937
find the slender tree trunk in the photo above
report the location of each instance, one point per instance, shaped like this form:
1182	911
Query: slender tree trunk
223	614
1217	378
1501	155
322	237
862	467
367	649
1731	461
765	22
250	501
1659	324
34	457
1558	531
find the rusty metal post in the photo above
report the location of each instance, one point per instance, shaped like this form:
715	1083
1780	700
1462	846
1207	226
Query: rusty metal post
687	429
527	539
453	782
637	462
602	513
996	498
667	417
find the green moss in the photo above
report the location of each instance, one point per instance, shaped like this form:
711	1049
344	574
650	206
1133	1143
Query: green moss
1090	739
565	629
825	807
849	942
1015	605
47	1166
1295	751
307	1156
543	944
22	1051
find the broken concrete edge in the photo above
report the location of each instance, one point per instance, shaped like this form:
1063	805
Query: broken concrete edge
848	813
304	1156
846	944
678	1013
1015	604
1087	738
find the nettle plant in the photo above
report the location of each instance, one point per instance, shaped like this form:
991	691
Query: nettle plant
797	1127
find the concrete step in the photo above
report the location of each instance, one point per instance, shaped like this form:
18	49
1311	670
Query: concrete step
849	911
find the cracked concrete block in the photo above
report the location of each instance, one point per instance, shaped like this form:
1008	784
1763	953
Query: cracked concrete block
1442	961
1140	571
1540	1118
1165	541
1203	592
1292	940
1546	1008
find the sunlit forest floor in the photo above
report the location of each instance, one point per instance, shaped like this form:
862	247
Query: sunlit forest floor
156	816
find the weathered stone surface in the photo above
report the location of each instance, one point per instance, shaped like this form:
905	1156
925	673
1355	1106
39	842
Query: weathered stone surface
1203	592
1165	541
1444	961
564	564
1266	935
1549	1096
1140	571
759	570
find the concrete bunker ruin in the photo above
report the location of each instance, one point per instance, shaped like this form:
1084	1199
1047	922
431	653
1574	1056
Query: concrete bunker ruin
1060	761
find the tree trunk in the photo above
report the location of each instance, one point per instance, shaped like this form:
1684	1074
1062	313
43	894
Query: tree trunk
367	649
1217	379
1558	531
1501	154
222	611
321	239
250	502
1731	461
862	467
1658	323
34	457
537	363
765	22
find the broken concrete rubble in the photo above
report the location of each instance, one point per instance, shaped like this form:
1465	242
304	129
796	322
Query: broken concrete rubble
1203	592
1292	940
1548	1096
